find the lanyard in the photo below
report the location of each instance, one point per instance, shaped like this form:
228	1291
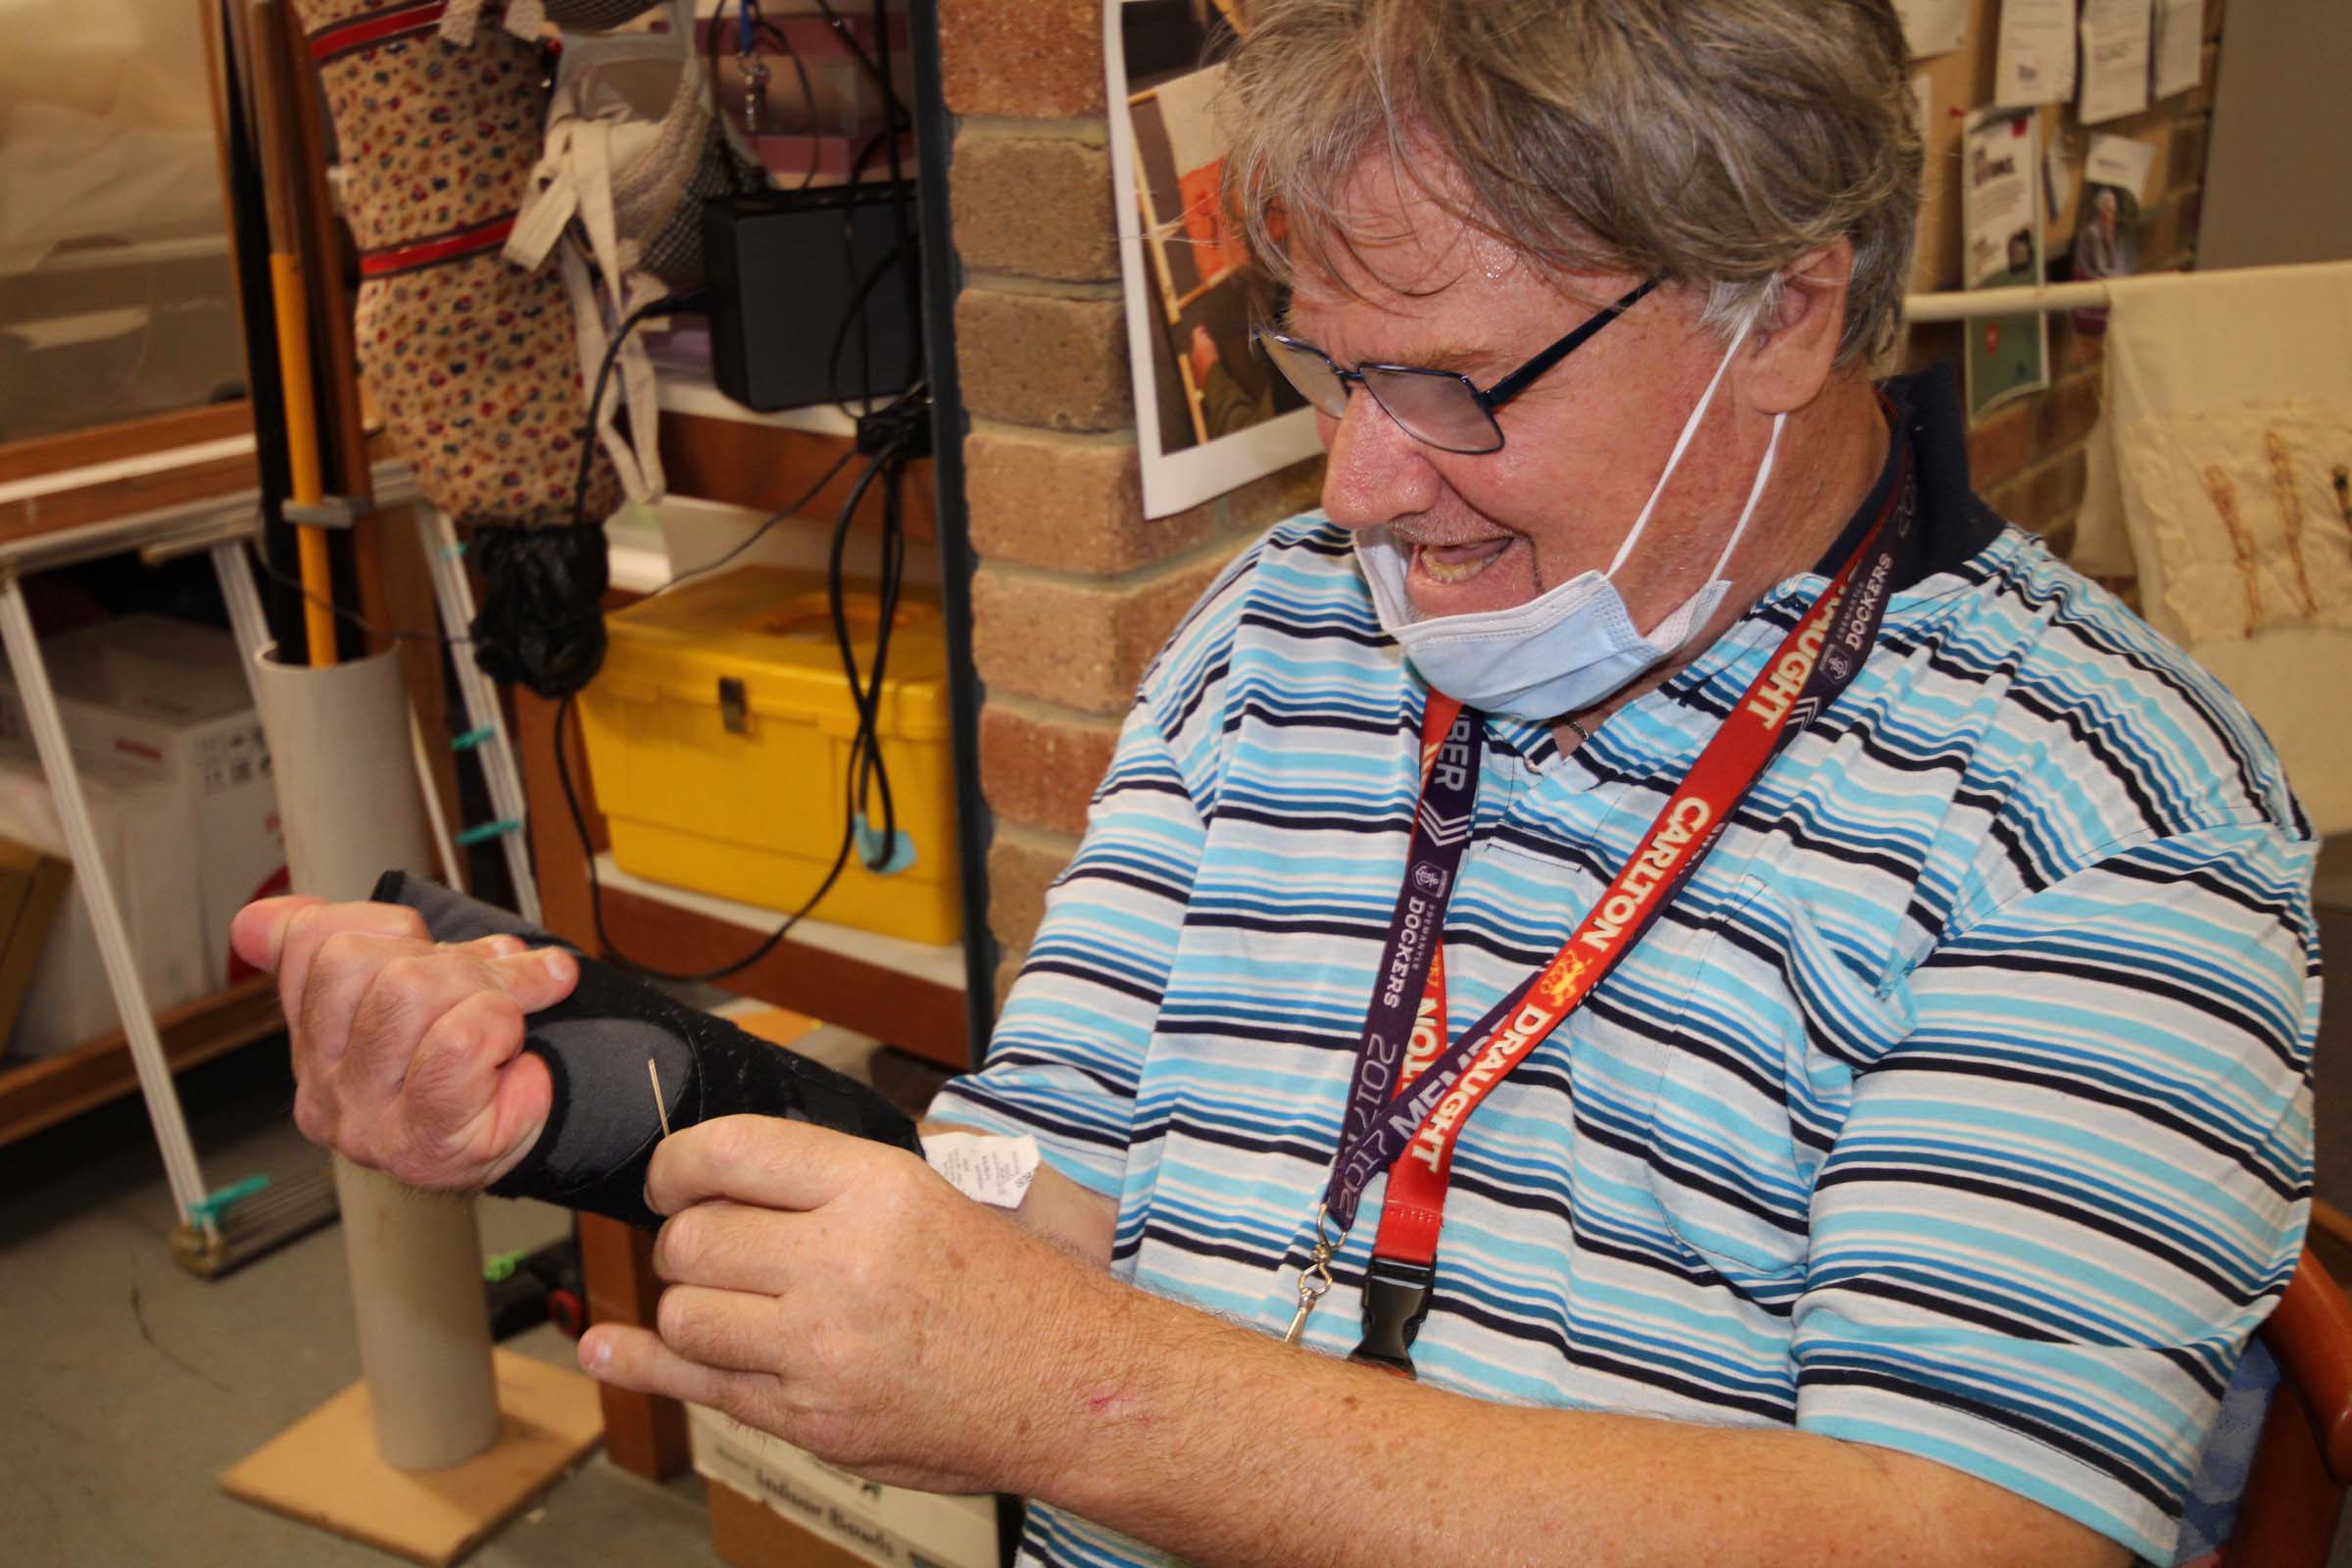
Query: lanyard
1410	1099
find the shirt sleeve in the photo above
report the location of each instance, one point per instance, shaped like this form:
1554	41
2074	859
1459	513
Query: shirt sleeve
2058	1209
1068	1050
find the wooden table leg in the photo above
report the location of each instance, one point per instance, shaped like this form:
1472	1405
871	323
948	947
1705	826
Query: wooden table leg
644	1434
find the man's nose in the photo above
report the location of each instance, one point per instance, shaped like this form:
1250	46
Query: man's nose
1376	473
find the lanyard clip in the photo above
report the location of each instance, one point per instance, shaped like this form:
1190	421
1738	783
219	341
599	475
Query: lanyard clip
1396	1301
1315	1280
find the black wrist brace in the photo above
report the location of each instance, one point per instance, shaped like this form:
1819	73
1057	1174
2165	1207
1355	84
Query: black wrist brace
603	1124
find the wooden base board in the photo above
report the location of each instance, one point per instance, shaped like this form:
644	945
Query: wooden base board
324	1469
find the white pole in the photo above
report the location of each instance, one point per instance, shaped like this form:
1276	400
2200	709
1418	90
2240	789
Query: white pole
455	594
245	618
452	868
1976	303
97	890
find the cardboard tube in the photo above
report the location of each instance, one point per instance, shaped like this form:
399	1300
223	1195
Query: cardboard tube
416	1296
347	796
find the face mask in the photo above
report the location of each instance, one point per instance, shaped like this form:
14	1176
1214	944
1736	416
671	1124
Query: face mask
1565	650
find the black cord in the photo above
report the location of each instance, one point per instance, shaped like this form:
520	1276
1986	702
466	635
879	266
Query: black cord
260	559
778	515
668	305
893	436
868	774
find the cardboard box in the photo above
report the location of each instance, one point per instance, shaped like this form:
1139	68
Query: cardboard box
891	1527
168	699
32	885
152	865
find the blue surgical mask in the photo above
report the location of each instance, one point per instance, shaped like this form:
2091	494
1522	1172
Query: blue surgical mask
1566	650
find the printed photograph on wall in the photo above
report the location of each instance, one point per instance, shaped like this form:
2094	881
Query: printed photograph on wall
1210	412
2000	208
2103	246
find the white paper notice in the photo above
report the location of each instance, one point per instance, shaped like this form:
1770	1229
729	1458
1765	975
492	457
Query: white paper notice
1923	103
2122	162
1933	26
2035	62
2179	45
2115	59
986	1169
2058	180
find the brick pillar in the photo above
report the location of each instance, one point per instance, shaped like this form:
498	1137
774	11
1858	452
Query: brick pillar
1076	589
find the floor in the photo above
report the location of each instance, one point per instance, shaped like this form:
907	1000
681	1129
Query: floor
131	1383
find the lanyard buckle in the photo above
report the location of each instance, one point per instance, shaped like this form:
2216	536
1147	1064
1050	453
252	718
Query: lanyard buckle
1396	1301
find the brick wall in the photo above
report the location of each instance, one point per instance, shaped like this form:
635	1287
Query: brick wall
2029	458
1075	587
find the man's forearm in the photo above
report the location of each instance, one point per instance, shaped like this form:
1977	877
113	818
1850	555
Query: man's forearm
1224	1447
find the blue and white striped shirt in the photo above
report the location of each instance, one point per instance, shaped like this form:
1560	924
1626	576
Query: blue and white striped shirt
1959	1105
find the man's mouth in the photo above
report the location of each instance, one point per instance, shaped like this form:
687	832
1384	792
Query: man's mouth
1458	564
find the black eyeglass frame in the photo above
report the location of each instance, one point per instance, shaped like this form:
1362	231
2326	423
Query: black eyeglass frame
1488	399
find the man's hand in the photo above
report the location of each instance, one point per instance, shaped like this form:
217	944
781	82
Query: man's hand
841	1295
407	1052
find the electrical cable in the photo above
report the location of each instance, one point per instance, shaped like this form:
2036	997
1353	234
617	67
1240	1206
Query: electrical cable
686	302
866	774
757	534
894	436
350	618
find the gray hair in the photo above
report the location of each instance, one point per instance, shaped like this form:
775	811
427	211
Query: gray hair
1713	141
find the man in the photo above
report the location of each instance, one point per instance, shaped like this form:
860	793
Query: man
1903	1191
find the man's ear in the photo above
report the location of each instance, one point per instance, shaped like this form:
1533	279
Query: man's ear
1795	345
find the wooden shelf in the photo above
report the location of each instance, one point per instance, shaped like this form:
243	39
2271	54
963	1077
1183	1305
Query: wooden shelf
910	994
39	1094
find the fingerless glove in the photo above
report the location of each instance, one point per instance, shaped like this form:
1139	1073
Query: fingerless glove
603	1124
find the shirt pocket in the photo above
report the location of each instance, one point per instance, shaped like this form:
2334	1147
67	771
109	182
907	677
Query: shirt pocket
1756	1083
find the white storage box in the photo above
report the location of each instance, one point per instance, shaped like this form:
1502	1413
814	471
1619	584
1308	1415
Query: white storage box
889	1526
153	865
169	698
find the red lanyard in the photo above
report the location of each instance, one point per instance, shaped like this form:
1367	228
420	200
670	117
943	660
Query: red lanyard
1437	1089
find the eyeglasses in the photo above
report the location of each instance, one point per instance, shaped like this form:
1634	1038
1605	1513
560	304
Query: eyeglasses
1443	408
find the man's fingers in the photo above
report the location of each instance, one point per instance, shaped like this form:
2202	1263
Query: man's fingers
636	1358
337	978
259	929
762	1160
469	1108
726	1330
728	1245
383	1008
311	926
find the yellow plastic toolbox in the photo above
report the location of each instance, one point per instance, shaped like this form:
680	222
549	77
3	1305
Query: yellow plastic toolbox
718	736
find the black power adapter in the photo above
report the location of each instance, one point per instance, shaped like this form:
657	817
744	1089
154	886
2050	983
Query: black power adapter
813	295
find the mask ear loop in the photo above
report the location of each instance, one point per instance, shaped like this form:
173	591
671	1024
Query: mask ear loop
1755	495
1682	445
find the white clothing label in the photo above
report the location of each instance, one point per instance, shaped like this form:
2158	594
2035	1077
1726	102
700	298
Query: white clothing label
986	1169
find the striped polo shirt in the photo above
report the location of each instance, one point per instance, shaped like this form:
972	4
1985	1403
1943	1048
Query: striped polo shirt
1960	1104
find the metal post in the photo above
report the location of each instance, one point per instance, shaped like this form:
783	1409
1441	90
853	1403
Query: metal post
941	280
97	890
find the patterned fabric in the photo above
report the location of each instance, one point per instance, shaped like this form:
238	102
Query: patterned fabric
1960	1105
657	196
595	15
473	361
